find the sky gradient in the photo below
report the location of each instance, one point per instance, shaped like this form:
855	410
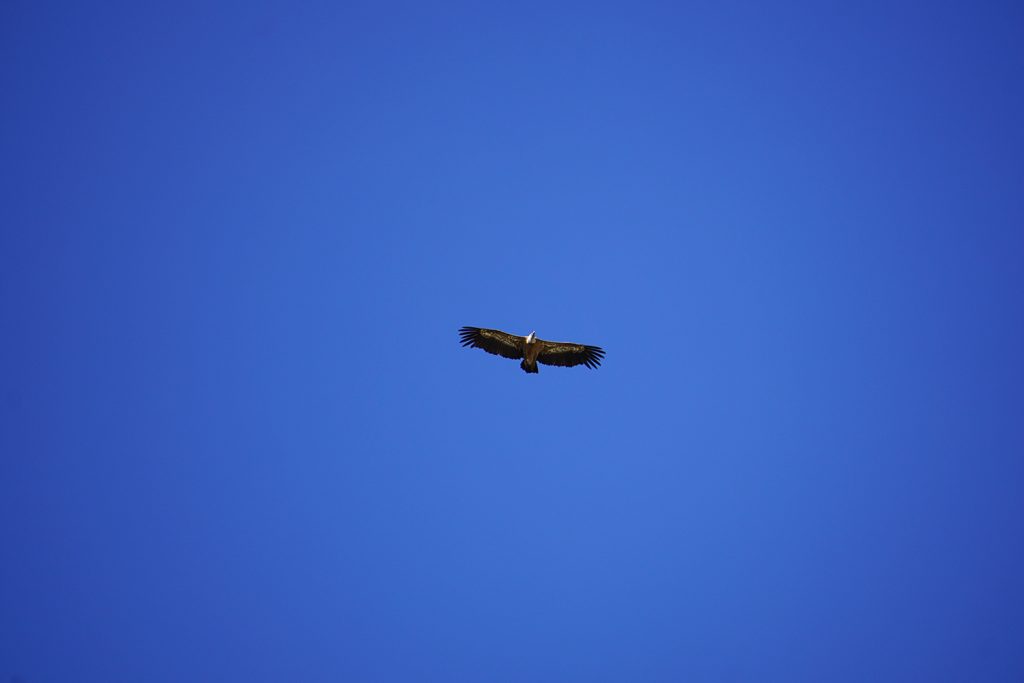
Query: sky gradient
240	440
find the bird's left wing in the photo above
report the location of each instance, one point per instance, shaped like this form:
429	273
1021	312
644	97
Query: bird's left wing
568	354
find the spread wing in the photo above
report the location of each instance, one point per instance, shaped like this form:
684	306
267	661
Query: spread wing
493	341
568	354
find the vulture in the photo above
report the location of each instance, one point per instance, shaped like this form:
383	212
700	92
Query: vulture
531	349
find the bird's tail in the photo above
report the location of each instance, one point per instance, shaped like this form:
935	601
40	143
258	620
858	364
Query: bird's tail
528	366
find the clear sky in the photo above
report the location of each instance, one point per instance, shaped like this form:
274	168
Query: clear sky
241	442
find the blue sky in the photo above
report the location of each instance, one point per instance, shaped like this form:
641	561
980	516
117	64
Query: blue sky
240	440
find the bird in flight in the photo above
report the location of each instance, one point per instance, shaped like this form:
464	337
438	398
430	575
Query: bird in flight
531	349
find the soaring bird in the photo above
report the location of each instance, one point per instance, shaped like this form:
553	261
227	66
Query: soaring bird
531	349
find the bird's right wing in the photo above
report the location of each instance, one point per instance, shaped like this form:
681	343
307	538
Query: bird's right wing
493	341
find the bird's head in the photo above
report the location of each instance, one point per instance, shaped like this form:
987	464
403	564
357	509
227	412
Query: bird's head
532	337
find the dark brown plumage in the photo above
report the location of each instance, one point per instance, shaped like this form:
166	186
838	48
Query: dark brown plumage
531	349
